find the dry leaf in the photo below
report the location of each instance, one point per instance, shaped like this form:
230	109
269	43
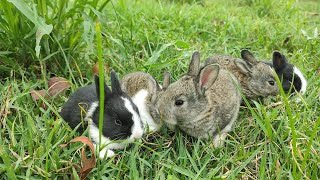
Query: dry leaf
57	85
273	105
95	69
37	94
5	110
278	167
88	164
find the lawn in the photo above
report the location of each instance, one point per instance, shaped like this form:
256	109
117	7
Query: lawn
277	139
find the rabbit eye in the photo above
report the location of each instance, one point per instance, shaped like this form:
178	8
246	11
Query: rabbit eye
271	83
179	102
118	122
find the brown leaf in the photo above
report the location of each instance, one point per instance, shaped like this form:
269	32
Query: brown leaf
88	164
37	94
57	85
95	69
44	106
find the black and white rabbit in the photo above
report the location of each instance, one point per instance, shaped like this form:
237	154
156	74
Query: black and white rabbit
121	119
290	76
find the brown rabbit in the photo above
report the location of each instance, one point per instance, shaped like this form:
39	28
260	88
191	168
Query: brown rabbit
203	103
256	78
144	89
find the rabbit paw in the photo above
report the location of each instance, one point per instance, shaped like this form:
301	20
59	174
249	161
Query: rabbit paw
105	151
218	140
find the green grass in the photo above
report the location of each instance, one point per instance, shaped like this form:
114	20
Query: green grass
279	142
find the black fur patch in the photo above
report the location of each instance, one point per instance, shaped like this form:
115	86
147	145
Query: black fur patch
114	110
285	71
118	120
289	78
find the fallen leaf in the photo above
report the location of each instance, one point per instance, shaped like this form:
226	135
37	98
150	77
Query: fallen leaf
57	85
88	164
37	94
95	69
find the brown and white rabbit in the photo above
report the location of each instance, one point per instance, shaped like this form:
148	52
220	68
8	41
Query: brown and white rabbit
144	89
256	78
121	119
203	103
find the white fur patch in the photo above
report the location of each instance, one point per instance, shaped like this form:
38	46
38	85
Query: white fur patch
103	152
218	140
137	130
303	80
94	134
92	108
106	143
139	99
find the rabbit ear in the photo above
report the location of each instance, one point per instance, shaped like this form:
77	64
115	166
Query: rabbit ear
194	65
208	76
244	66
115	83
247	56
106	88
166	80
279	61
154	87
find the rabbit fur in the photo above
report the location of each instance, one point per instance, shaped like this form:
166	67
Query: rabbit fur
144	89
121	119
255	77
290	76
203	103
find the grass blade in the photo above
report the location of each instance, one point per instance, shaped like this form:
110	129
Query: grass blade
39	22
180	170
101	82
